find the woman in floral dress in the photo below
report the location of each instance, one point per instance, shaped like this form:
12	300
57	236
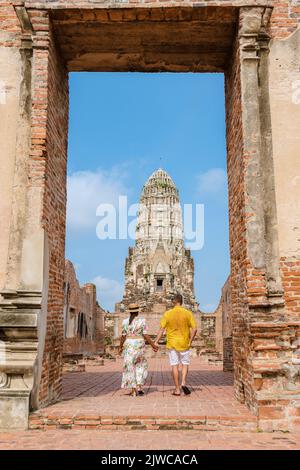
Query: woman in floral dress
134	338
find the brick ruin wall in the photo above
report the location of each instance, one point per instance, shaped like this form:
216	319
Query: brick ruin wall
49	160
248	285
47	108
227	327
237	228
206	336
84	318
207	340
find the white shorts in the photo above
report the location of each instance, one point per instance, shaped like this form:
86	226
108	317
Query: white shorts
179	357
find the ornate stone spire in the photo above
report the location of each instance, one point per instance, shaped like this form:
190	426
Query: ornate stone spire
159	184
158	266
160	215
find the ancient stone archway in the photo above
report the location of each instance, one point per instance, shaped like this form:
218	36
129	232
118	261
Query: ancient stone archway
40	43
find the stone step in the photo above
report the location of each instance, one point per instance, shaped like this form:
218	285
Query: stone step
39	420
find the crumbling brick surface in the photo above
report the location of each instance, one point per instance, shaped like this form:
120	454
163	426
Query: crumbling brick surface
83	317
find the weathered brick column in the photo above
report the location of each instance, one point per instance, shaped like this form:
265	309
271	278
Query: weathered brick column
266	344
31	300
21	295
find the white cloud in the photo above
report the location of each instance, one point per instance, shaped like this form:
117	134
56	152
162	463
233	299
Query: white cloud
212	181
87	189
109	291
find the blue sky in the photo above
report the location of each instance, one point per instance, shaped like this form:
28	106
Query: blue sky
123	126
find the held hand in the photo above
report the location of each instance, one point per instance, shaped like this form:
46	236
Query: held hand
155	347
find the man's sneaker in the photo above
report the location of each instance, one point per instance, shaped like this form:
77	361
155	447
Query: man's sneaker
186	390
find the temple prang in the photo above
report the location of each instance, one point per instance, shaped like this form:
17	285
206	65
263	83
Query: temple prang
159	265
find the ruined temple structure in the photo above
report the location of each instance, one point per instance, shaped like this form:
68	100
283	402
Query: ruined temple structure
227	326
159	265
255	44
83	317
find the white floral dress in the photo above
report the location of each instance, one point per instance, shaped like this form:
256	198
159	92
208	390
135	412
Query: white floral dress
135	369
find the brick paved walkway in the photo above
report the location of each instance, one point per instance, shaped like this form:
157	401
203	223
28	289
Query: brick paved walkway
93	399
97	412
155	440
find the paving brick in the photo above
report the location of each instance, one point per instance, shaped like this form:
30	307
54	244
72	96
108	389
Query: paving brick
94	397
105	439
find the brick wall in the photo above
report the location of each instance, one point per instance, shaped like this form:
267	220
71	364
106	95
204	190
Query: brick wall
237	222
226	309
290	270
219	333
285	17
48	160
10	23
81	306
255	348
152	318
227	354
227	326
206	337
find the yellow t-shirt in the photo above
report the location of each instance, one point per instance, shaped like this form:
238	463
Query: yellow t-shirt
177	323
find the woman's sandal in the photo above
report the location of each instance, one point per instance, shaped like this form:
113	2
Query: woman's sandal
176	394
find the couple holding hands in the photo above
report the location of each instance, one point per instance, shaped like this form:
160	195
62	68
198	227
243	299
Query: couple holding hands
180	327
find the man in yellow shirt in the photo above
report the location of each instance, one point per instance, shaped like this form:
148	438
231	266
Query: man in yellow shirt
181	329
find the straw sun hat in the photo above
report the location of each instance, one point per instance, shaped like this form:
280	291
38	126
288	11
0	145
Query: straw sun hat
133	308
